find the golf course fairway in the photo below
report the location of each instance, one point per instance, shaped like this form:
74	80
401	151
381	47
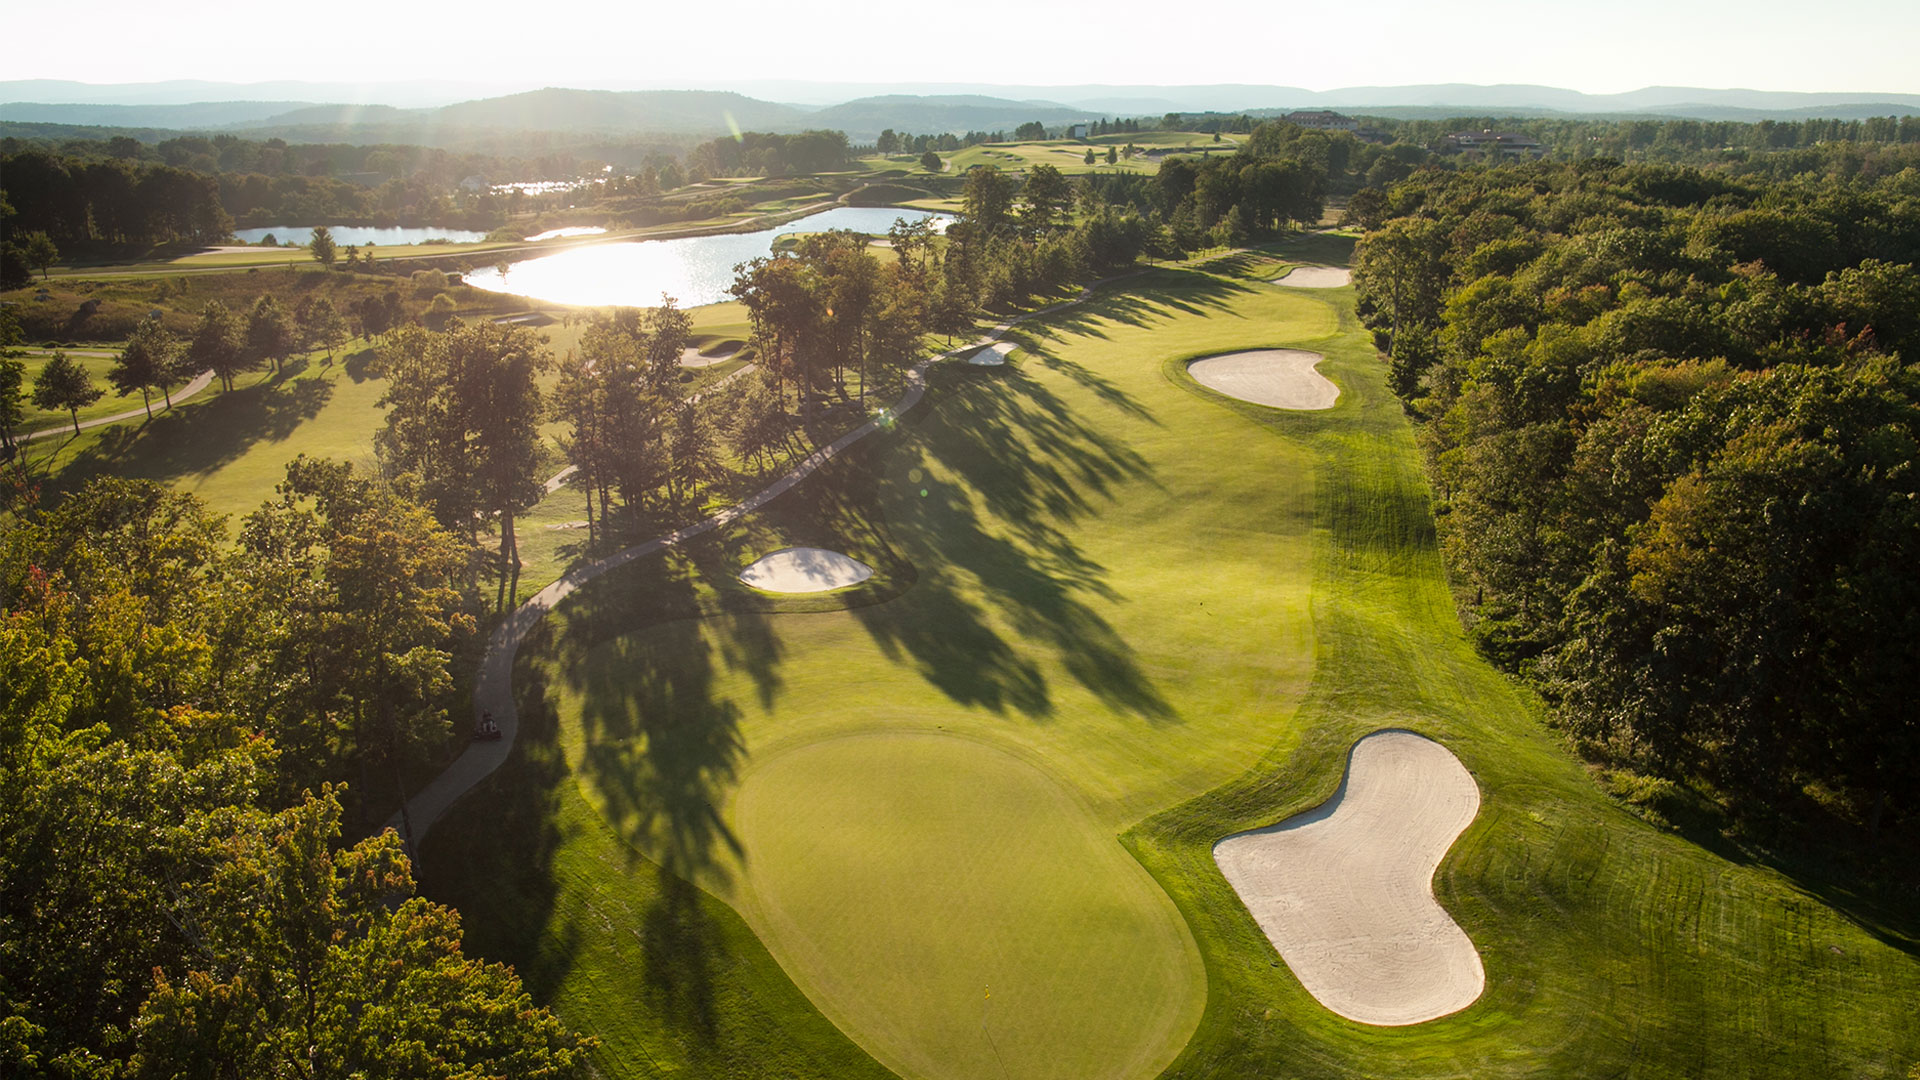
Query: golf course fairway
1114	618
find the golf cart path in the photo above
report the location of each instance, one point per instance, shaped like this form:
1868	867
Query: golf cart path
494	691
198	384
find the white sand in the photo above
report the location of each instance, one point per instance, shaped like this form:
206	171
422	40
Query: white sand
1316	277
805	569
694	358
993	355
1345	890
1281	378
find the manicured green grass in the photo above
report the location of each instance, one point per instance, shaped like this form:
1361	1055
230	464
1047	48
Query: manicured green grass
1005	916
1066	155
1181	610
1011	635
231	448
96	367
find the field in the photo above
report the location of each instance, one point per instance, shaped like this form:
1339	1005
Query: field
231	448
1115	617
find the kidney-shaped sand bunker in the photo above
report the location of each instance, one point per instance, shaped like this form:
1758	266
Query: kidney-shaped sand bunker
805	569
1277	378
1345	890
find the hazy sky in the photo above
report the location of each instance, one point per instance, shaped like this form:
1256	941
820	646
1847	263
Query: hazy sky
1616	45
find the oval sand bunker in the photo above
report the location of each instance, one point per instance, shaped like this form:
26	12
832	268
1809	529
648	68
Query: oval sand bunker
805	569
993	355
1316	277
1345	890
1278	378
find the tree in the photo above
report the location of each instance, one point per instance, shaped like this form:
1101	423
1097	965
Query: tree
1089	158
988	200
464	409
13	396
1113	155
757	423
930	161
887	143
64	384
40	251
308	968
218	343
319	324
692	453
269	332
579	399
669	332
146	364
1046	195
379	314
322	246
507	408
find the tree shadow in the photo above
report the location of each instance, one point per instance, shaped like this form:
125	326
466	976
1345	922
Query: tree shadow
678	945
997	532
1153	297
201	437
359	364
493	857
659	747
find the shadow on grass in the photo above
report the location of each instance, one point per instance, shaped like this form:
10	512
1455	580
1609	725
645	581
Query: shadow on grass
200	437
494	861
1025	468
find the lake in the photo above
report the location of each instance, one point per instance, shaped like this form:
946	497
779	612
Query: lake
359	235
695	270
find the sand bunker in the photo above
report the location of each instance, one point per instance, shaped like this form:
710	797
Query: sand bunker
1345	890
694	358
805	569
1316	277
1281	378
993	355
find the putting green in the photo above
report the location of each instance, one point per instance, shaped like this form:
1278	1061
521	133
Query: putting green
953	865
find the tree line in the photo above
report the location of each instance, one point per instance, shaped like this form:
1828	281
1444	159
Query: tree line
1673	427
755	153
110	202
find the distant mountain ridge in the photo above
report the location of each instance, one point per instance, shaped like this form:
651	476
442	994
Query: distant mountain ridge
358	115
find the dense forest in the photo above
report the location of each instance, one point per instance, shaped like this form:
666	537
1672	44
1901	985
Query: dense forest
110	202
1673	423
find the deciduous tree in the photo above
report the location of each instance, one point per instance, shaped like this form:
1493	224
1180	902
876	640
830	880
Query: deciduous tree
219	343
64	384
148	363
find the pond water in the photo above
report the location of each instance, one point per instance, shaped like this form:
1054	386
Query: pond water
694	270
359	235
